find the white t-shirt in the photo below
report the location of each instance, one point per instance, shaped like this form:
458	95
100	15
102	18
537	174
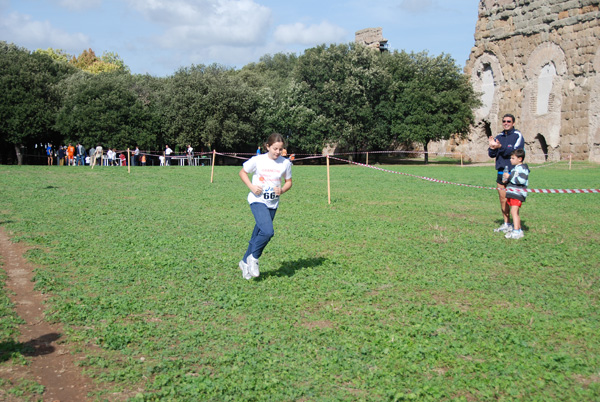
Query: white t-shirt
168	151
267	173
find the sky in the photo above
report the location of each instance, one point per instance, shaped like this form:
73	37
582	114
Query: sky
158	37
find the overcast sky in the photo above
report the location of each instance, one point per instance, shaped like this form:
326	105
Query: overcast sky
160	36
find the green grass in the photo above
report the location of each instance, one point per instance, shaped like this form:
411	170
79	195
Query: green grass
397	290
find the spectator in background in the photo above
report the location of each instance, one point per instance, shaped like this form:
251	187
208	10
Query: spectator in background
50	154
98	154
168	152
61	155
190	154
71	155
110	156
80	160
136	156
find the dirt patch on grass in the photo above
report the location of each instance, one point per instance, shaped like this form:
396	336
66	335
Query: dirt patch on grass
51	362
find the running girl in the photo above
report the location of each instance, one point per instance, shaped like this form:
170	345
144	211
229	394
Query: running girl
265	188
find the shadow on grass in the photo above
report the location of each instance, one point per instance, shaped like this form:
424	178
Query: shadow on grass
289	268
34	347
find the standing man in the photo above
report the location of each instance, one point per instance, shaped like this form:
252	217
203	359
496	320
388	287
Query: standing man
62	154
500	148
168	153
190	154
80	155
136	155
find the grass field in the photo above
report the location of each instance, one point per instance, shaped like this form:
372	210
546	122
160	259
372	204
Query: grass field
398	290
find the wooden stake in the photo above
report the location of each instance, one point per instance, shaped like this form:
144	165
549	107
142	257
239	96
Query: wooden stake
570	155
328	183
213	165
367	158
128	161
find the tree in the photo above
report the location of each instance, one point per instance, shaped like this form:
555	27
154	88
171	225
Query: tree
432	99
211	106
337	91
56	54
104	108
88	61
28	96
231	105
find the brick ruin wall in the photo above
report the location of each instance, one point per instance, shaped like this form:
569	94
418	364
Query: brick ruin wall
540	61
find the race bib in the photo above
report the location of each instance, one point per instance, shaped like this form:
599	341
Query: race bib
269	194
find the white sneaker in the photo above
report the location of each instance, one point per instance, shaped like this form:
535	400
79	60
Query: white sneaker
253	266
515	234
505	228
244	267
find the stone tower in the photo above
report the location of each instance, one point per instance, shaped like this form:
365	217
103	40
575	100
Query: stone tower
540	61
371	37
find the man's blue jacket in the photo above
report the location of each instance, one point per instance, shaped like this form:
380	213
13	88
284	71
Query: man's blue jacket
510	140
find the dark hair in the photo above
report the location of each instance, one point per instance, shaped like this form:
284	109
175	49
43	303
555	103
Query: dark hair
519	153
509	115
273	138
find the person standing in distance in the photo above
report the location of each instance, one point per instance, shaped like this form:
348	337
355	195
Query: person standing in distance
168	152
501	147
267	171
189	152
50	154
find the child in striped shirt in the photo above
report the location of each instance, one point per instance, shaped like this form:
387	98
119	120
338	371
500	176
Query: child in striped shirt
517	180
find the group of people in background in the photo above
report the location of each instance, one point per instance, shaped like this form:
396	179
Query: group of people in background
78	156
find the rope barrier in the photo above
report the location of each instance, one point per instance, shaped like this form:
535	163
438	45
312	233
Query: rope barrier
529	190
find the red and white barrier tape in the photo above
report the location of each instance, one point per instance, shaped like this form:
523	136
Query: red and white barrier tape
232	155
529	190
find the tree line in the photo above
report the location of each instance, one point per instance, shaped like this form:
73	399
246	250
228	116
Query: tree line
346	95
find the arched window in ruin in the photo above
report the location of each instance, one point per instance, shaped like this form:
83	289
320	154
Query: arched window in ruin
545	75
487	129
544	87
542	145
486	75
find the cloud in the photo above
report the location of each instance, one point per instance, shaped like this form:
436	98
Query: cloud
417	6
192	23
299	33
22	30
79	4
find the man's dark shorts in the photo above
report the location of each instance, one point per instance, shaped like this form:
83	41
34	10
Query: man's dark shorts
499	177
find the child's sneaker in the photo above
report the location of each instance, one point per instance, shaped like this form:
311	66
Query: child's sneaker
244	267
253	266
505	228
515	234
